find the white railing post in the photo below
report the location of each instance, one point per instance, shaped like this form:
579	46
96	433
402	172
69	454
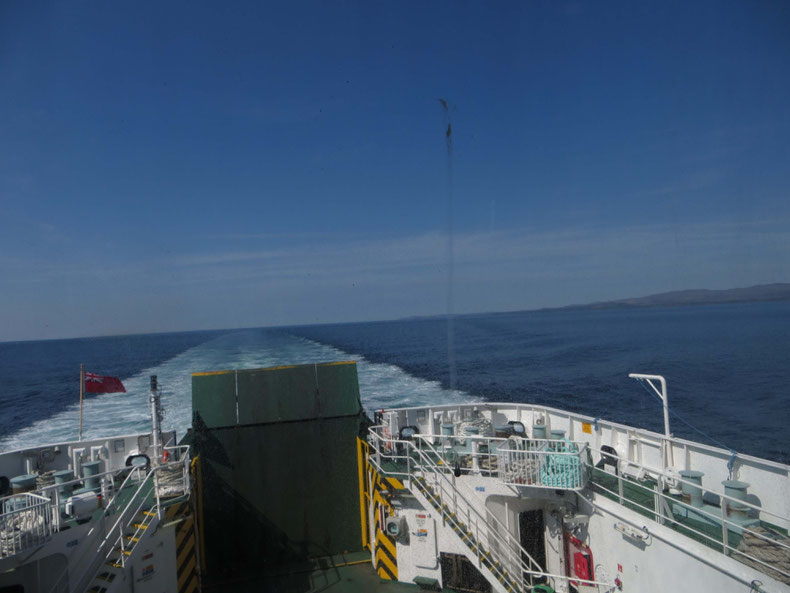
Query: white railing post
57	509
479	544
156	490
455	499
724	534
123	545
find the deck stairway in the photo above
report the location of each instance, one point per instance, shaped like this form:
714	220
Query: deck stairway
134	524
141	525
487	543
484	540
486	562
134	514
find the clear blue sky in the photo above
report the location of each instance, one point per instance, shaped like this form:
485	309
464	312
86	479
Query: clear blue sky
169	166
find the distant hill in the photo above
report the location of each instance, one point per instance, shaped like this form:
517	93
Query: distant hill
701	296
695	296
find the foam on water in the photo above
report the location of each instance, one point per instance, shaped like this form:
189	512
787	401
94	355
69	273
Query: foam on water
381	385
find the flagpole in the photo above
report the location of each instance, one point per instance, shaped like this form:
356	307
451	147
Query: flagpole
82	391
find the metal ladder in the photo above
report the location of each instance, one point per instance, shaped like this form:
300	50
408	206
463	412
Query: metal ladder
136	522
143	523
496	551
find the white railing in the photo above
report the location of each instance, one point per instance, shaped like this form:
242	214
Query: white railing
492	543
173	477
146	501
478	530
54	500
115	534
559	465
148	491
538	463
132	480
770	480
25	523
773	546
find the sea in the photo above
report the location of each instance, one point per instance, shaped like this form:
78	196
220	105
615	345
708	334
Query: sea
727	368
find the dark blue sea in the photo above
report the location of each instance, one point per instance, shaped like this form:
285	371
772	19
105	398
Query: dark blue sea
727	367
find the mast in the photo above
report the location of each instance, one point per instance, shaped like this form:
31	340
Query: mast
82	393
156	419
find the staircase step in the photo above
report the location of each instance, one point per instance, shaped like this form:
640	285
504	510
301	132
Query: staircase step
97	589
140	525
466	536
107	576
131	538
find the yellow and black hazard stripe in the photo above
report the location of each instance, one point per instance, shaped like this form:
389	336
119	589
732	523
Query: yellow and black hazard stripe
384	551
371	496
186	549
186	557
364	496
178	511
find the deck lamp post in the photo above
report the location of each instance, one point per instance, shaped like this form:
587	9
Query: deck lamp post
663	395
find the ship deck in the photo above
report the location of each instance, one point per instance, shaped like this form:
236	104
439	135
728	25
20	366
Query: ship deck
348	573
639	497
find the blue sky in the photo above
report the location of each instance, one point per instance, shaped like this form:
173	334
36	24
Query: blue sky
175	166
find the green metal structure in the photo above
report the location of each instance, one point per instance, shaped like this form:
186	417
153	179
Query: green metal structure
278	459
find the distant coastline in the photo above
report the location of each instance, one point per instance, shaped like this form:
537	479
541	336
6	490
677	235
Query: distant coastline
779	291
700	296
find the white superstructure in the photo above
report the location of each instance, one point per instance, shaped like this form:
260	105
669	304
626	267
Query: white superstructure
531	495
98	516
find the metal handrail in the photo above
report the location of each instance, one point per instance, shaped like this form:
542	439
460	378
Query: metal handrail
542	450
700	533
183	458
35	510
135	471
673	478
152	475
90	571
92	567
509	542
478	518
52	494
144	522
47	489
86	550
662	516
512	546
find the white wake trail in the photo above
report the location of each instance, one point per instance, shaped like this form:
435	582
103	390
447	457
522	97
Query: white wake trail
381	385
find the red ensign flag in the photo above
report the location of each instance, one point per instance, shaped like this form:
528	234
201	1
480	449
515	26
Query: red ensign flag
98	384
